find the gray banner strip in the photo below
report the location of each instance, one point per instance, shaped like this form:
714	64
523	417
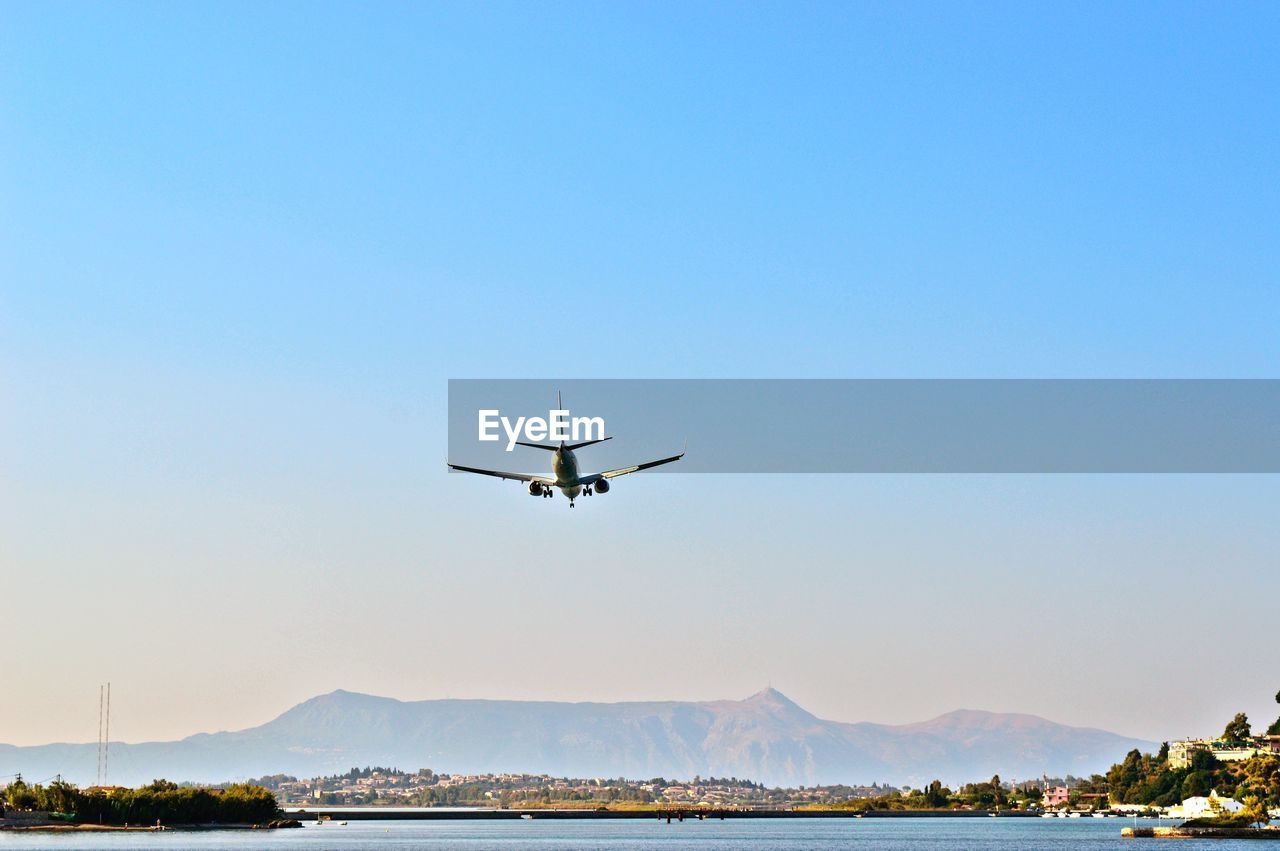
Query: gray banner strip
892	426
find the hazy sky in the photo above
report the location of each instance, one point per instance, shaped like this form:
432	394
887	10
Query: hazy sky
242	249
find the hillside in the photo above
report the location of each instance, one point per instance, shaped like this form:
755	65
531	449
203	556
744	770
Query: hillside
766	737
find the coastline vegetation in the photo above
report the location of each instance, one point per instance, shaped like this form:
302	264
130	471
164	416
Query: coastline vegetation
1151	780
161	802
991	795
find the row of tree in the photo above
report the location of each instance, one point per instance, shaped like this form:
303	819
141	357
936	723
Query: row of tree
993	794
161	801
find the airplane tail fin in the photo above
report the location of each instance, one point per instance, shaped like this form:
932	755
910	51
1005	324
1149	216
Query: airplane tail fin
571	446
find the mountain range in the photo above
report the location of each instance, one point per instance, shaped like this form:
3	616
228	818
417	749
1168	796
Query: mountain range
765	737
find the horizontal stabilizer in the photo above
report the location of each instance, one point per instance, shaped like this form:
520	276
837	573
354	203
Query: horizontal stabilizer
552	447
587	443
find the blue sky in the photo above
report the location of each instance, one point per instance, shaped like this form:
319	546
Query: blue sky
243	247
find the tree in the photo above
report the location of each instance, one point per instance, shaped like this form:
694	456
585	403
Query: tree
935	796
1202	760
1124	776
60	797
1255	810
1195	785
21	796
1237	728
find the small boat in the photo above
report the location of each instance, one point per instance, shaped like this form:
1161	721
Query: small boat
526	815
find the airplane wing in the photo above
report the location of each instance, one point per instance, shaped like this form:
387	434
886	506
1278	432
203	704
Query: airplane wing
613	474
519	477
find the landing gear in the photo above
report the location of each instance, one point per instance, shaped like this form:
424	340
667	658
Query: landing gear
571	503
586	491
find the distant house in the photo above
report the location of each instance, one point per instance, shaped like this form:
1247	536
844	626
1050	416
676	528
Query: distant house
1056	796
1202	807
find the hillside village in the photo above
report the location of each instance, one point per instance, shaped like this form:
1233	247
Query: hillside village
379	786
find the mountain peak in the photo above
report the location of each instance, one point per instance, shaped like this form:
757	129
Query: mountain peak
777	702
338	701
770	693
341	695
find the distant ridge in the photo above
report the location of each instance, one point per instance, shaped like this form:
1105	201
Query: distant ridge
766	737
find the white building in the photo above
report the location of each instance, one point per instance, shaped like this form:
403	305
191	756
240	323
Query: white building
1202	807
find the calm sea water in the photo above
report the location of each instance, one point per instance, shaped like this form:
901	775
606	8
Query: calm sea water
933	834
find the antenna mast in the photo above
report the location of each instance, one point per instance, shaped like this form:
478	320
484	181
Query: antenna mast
99	778
106	740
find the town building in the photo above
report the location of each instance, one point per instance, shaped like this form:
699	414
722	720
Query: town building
1180	752
1202	807
1056	796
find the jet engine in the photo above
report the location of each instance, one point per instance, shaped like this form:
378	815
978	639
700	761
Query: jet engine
601	486
535	489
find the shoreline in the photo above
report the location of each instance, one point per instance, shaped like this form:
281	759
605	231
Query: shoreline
1264	833
672	813
279	824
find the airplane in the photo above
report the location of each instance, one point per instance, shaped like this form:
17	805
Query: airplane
565	466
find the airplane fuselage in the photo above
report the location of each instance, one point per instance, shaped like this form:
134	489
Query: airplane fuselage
565	465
